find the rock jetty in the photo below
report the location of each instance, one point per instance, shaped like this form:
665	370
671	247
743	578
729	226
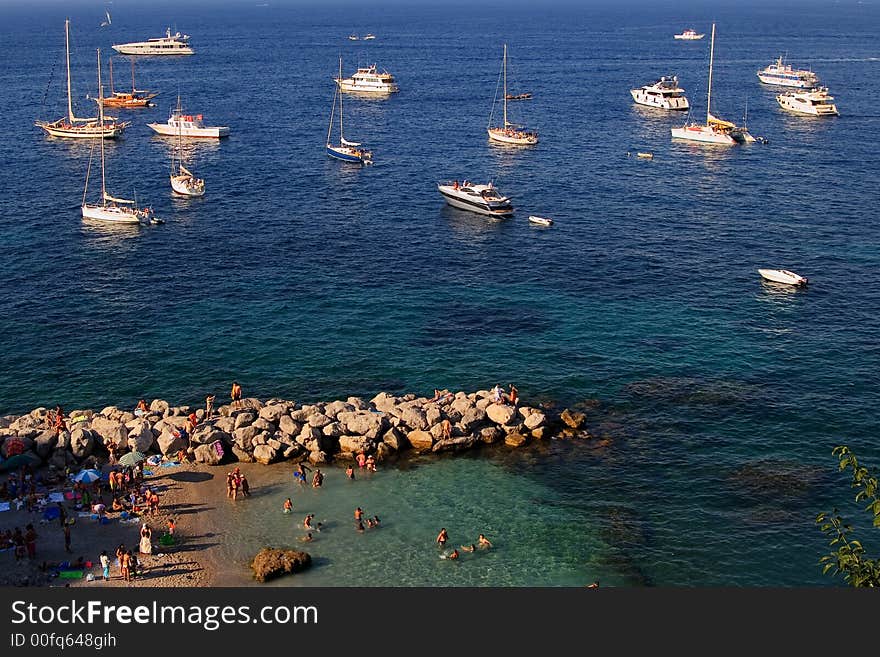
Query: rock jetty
270	563
280	430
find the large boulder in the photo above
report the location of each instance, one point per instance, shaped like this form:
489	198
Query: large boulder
334	430
244	435
319	420
242	455
207	454
208	434
459	444
273	413
110	431
515	439
357	403
500	413
334	408
318	457
414	417
168	443
472	419
394	439
140	436
535	420
265	454
287	426
159	406
491	435
354	444
421	441
384	402
363	423
44	443
226	424
82	443
264	425
308	435
270	563
244	419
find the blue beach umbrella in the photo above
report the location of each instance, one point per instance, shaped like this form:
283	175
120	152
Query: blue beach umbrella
87	476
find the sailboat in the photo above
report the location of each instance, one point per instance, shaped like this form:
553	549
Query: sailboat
136	98
507	132
184	181
348	151
75	127
715	131
110	208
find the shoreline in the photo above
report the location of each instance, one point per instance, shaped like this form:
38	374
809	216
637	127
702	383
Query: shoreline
248	435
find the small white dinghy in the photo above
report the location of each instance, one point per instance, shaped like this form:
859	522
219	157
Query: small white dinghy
540	221
783	276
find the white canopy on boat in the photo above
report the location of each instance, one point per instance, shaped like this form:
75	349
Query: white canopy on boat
345	142
113	199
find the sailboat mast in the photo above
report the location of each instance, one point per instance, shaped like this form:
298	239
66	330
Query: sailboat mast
711	59
101	135
504	67
340	102
67	50
110	62
133	89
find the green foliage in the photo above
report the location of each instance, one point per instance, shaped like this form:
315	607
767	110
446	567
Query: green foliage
848	557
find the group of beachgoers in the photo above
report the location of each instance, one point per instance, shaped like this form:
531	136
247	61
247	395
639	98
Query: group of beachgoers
237	484
482	543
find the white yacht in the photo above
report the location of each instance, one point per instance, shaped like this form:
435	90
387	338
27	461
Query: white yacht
663	94
689	35
170	44
784	75
816	102
783	276
368	79
187	125
483	199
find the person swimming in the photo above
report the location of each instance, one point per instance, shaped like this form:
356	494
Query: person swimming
288	506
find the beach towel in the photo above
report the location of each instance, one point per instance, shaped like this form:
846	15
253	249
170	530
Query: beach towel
170	464
56	497
70	574
4	506
148	473
52	513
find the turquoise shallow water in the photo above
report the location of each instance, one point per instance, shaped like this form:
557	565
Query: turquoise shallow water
307	280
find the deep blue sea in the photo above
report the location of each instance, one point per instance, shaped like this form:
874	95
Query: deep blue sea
309	279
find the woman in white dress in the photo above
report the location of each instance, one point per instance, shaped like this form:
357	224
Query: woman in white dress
146	546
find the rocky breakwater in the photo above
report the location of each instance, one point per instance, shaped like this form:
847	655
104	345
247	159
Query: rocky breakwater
277	430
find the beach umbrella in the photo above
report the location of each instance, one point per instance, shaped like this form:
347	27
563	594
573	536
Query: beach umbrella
131	459
87	476
14	462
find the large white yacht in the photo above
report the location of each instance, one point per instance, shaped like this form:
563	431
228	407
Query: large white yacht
689	35
815	102
170	44
663	94
368	79
783	75
483	199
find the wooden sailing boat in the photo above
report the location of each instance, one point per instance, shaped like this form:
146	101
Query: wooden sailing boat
74	127
507	132
348	151
184	181
135	98
110	208
715	131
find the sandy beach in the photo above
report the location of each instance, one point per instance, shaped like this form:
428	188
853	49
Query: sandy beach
187	494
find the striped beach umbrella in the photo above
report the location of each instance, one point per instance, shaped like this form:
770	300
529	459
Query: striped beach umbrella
87	476
131	459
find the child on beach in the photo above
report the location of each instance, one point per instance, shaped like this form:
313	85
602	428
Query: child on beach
105	565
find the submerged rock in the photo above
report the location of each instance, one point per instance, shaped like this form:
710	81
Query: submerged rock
270	563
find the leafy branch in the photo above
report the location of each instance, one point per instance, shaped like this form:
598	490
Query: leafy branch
848	557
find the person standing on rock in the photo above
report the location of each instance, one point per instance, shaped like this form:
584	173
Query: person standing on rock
497	393
446	428
513	397
209	406
236	395
192	422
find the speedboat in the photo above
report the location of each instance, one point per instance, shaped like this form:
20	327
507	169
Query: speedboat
540	221
170	44
689	35
369	36
352	37
783	276
662	94
187	125
368	80
815	102
784	75
483	199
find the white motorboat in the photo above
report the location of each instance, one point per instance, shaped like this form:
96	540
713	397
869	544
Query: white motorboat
369	37
783	276
353	37
662	94
110	208
540	221
170	44
715	130
368	79
784	75
73	127
483	199
187	125
689	35
507	132
815	102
